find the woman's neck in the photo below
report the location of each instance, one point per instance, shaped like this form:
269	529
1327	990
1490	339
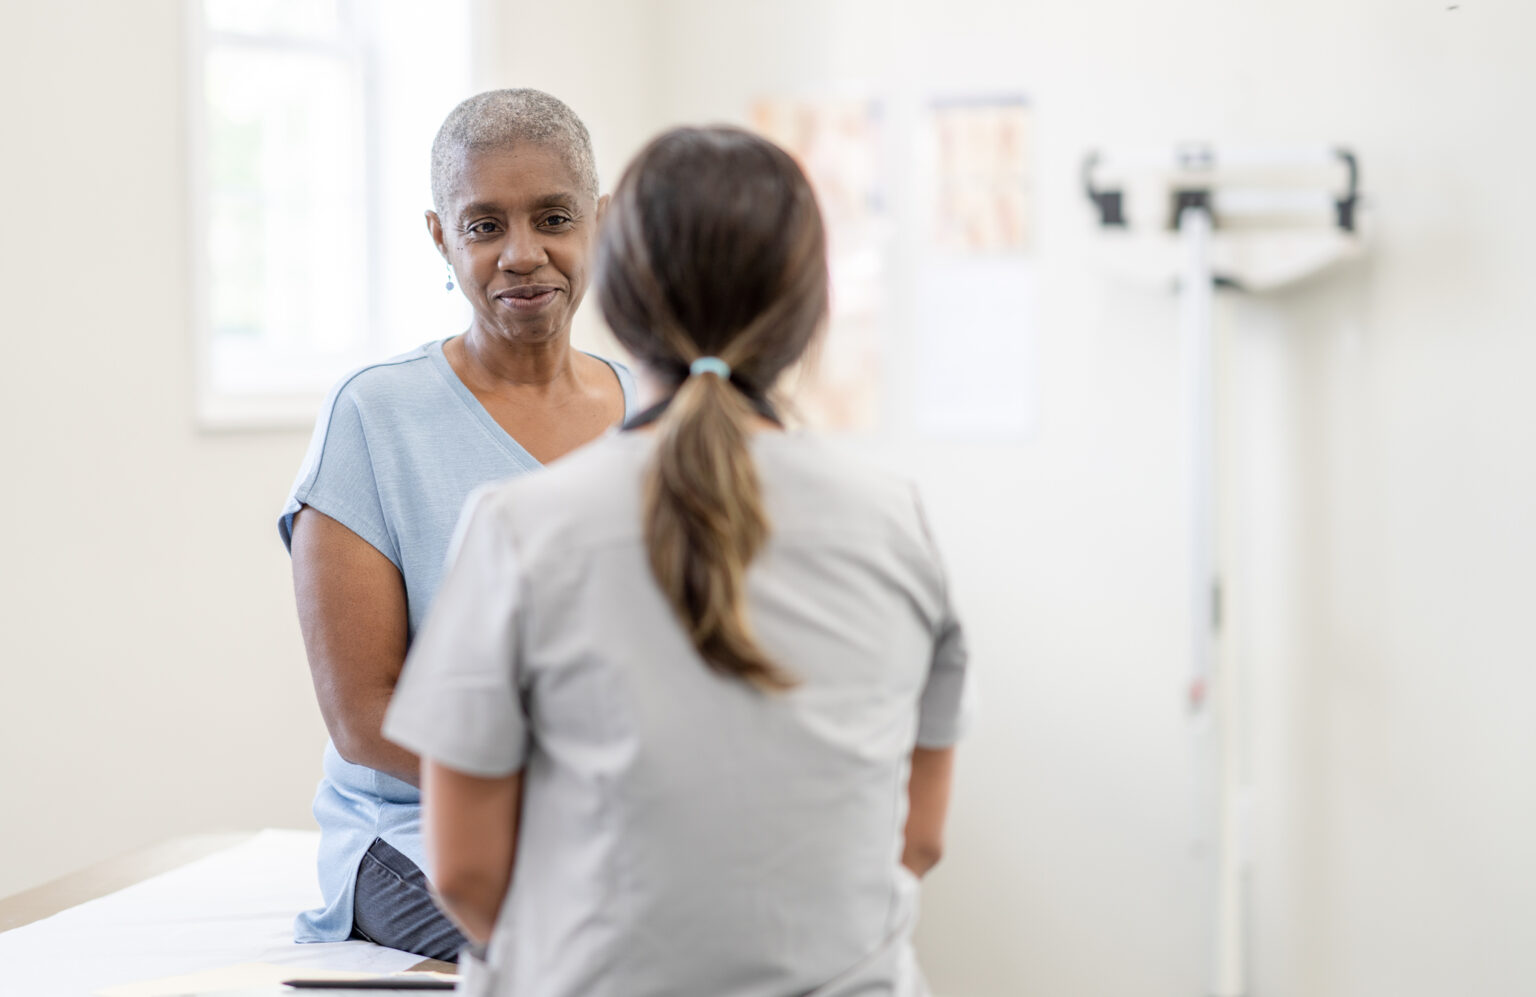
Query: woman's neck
489	360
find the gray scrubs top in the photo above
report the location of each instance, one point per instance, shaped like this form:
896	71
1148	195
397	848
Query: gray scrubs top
682	832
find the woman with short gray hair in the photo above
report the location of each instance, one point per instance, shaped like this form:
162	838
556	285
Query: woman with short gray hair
398	447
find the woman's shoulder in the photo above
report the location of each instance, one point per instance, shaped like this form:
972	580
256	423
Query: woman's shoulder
829	493
386	396
619	367
815	472
402	372
811	485
628	390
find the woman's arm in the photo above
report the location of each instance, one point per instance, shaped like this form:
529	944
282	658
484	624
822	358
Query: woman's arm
470	823
928	799
352	612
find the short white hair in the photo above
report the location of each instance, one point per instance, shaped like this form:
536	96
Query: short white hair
500	119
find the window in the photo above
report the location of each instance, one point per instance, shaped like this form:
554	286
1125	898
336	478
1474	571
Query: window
311	128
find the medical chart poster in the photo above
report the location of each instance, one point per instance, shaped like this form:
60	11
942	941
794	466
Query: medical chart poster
838	142
977	302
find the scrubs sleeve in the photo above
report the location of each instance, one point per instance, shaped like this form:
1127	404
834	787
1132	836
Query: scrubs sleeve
944	708
459	699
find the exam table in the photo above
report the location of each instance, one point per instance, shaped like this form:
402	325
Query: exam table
198	905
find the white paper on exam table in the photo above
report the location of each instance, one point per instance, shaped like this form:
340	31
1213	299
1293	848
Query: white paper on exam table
236	906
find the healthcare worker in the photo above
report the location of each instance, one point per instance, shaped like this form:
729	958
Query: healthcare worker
687	700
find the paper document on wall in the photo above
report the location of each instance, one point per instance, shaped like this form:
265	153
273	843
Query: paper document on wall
975	352
976	282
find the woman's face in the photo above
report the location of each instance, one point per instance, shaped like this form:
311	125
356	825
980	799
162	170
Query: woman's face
519	235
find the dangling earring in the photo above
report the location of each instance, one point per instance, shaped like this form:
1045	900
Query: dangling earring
449	285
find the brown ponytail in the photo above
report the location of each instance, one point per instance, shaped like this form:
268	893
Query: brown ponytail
712	246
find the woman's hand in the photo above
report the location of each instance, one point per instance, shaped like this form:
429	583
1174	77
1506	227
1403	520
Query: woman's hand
352	612
470	823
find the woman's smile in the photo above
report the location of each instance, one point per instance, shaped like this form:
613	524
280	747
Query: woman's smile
525	299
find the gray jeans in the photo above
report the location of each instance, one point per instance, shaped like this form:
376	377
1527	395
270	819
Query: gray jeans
392	906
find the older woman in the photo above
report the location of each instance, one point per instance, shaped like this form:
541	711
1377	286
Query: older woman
688	701
398	447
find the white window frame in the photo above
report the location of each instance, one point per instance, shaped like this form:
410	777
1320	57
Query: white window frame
296	408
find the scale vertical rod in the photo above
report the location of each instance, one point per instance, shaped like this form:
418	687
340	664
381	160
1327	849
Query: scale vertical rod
1196	293
1210	683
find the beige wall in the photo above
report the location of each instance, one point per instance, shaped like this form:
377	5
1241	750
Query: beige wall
1380	529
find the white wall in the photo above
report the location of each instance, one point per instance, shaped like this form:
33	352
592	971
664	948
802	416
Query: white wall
152	680
1378	491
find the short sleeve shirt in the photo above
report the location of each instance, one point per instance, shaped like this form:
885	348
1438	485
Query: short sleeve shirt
682	832
397	449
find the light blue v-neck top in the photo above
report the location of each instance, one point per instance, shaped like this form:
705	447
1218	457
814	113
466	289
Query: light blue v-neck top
398	447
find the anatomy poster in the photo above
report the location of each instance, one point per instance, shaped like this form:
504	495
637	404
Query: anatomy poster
838	143
976	308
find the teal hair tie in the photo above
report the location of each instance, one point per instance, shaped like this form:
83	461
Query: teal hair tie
711	365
